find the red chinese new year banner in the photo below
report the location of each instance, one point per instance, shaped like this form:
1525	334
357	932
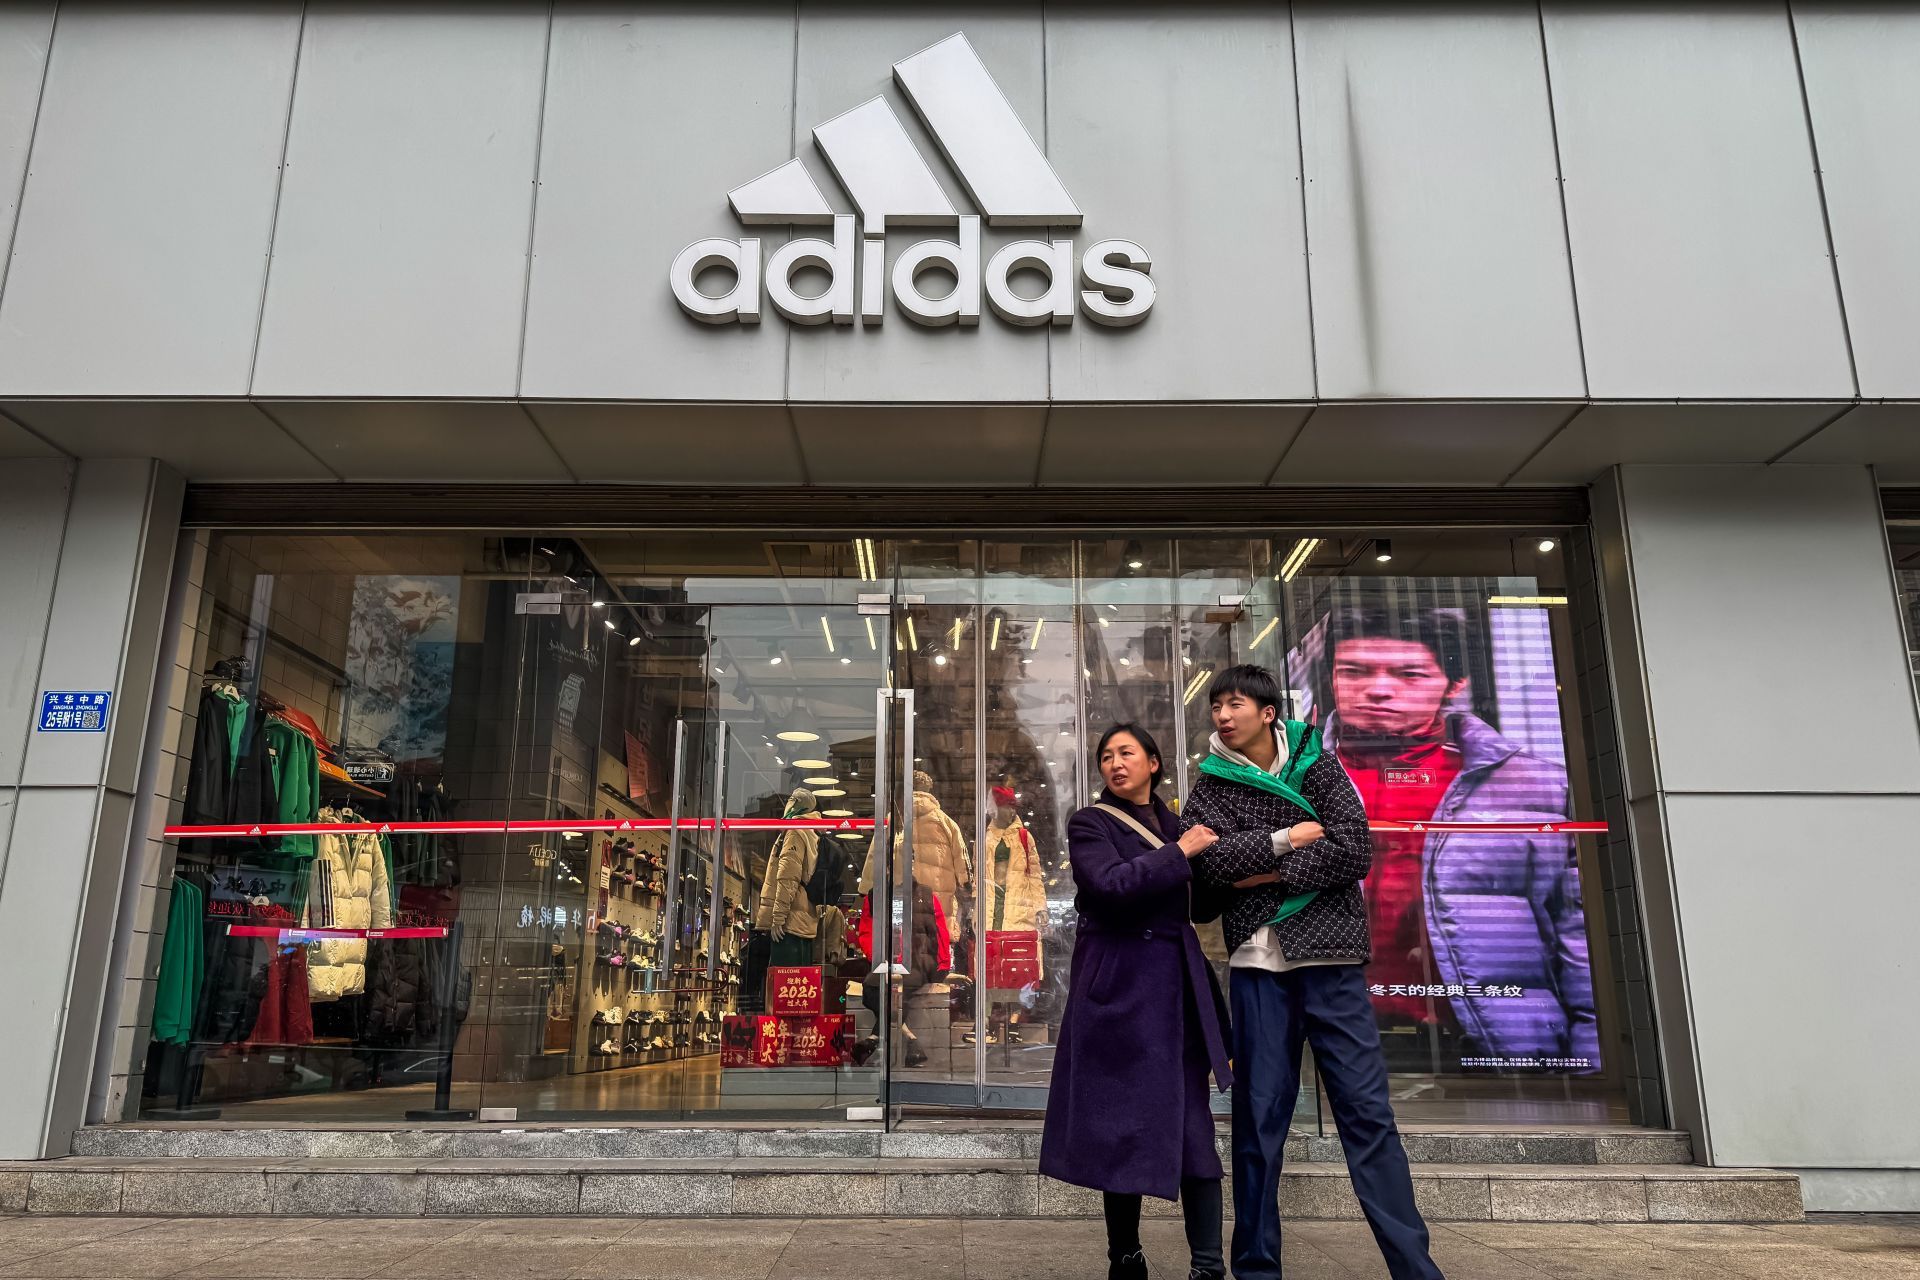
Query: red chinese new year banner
797	990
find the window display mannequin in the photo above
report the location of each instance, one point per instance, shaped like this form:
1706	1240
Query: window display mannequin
1016	890
349	891
1016	903
784	912
940	861
784	922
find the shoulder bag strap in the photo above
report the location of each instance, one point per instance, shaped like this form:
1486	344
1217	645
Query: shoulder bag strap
1138	827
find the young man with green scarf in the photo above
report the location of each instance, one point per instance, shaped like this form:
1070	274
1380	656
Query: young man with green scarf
1293	849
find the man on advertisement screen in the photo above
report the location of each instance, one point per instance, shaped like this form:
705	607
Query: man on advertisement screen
1479	936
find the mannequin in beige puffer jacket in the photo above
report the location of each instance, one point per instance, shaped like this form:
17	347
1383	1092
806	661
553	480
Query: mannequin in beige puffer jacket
784	910
940	860
349	891
1016	888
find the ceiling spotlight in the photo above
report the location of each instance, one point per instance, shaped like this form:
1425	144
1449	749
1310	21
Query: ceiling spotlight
636	640
847	835
821	780
1547	544
609	622
939	659
827	793
813	764
774	661
1382	550
836	813
846	662
797	735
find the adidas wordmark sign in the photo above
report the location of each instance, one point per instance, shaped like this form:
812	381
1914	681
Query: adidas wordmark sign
890	183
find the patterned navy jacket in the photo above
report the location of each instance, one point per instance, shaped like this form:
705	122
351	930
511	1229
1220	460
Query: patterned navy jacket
1331	927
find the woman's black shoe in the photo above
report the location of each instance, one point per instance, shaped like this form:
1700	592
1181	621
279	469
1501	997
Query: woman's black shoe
1205	1275
1131	1267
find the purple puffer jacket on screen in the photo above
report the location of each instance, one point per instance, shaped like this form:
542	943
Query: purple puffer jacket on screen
1504	909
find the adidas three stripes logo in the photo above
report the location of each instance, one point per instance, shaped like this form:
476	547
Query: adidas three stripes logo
890	183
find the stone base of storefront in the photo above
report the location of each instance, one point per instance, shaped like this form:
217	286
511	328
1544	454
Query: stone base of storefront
939	1170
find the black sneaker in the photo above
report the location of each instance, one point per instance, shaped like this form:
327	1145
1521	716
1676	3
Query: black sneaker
1205	1275
1131	1267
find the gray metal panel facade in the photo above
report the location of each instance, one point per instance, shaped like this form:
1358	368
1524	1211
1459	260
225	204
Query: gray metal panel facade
1713	548
1732	872
32	518
400	228
394	440
1202	169
400	251
206	439
142	236
24	33
1862	68
846	57
644	137
1429	444
1886	435
1433	203
1698	244
670	443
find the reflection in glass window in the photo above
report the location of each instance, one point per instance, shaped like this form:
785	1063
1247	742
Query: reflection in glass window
563	681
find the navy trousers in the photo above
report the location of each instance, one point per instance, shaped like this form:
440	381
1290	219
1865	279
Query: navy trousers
1326	1006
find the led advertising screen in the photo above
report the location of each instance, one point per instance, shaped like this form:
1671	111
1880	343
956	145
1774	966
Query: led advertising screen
1441	698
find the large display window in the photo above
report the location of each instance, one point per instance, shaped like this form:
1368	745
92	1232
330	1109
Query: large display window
718	825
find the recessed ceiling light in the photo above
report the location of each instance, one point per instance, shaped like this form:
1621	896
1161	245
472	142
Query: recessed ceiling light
846	662
796	735
1547	544
774	661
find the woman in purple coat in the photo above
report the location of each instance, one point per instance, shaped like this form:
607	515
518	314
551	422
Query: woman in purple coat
1145	1023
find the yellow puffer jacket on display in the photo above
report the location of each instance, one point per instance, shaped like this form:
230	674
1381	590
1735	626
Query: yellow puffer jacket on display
349	891
1016	888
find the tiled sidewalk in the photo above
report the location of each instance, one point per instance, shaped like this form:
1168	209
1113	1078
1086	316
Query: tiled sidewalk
932	1249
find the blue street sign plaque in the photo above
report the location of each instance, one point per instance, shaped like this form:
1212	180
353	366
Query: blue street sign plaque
74	711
